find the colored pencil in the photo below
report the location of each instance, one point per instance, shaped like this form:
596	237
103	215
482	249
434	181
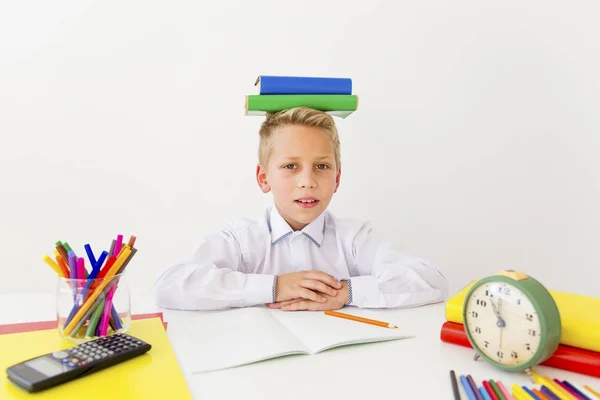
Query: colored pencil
519	393
360	319
490	391
553	387
592	391
504	391
454	384
576	390
474	387
496	390
467	386
567	389
530	393
484	393
549	393
539	394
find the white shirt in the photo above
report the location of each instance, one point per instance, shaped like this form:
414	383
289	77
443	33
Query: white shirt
237	265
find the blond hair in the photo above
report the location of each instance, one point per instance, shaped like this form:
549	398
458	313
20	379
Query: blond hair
297	116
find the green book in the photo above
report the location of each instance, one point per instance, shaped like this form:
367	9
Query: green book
334	104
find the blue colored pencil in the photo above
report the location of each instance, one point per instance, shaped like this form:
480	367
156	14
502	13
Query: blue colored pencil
467	387
576	390
529	392
549	393
484	393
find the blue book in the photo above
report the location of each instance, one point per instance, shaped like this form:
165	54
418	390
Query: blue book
269	84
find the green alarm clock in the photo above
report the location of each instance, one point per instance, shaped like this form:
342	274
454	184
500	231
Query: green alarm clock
511	321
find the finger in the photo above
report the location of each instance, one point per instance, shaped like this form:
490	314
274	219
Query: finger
318	286
310	295
286	302
303	305
325	278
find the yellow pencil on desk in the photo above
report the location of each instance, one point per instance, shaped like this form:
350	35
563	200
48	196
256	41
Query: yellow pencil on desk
360	319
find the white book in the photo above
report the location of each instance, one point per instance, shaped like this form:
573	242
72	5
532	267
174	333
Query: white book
230	338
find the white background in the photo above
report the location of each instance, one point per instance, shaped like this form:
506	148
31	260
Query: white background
475	145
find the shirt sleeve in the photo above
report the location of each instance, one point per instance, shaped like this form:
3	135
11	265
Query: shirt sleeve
390	279
213	277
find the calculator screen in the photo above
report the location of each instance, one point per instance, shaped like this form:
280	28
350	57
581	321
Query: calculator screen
45	365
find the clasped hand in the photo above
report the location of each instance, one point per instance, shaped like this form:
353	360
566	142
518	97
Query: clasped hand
309	290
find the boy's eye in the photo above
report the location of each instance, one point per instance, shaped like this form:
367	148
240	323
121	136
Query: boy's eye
322	166
289	166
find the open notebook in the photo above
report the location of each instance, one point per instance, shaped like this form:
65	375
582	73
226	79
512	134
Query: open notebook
236	337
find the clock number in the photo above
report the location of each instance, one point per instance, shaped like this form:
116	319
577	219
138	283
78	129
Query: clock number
532	332
529	317
507	291
477	330
481	303
528	346
518	302
513	354
500	354
487	292
486	344
474	314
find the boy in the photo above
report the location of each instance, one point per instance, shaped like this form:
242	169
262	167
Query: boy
299	256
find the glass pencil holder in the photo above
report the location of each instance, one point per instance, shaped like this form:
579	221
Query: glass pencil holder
91	308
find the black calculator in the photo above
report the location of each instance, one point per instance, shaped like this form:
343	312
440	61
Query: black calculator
62	366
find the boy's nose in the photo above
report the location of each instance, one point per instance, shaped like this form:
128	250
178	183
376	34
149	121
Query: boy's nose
307	180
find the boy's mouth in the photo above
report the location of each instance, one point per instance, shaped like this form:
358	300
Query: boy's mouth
307	202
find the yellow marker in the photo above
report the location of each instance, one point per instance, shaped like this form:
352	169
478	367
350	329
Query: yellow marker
48	260
592	391
125	251
519	393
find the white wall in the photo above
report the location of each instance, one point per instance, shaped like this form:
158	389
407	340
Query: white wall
475	145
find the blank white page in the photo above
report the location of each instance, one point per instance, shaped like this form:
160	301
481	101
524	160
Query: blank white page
230	338
318	331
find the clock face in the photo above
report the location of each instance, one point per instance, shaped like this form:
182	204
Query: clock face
503	323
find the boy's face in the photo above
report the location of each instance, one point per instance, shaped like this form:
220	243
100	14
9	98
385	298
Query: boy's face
301	173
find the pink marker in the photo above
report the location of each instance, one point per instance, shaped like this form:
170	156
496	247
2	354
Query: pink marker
118	245
106	311
81	278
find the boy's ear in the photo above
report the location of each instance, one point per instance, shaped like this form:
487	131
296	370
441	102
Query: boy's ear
337	179
261	179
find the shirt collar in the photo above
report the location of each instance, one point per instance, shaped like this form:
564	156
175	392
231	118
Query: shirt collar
280	229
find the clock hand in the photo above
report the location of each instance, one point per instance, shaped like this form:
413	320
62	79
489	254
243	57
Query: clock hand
500	323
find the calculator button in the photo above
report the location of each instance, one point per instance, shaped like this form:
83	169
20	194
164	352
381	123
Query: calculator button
60	354
89	359
71	365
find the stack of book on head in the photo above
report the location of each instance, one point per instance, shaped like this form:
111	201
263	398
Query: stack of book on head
579	349
277	93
